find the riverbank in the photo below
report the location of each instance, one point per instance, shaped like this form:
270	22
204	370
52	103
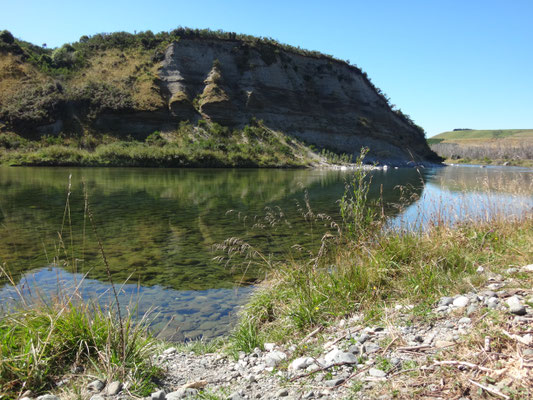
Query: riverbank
495	162
457	325
392	286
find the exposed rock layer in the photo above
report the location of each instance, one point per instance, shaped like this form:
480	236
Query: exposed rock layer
317	99
321	101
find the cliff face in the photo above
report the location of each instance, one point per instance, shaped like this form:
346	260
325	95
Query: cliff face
319	100
322	101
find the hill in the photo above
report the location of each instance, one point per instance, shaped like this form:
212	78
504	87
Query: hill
199	95
498	146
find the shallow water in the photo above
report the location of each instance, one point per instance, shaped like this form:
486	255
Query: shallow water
158	228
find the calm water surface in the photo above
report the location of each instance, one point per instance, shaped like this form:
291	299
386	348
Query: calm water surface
158	228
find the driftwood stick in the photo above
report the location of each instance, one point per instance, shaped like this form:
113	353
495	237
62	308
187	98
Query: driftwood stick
493	391
305	339
463	364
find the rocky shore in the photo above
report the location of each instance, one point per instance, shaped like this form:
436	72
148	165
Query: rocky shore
467	346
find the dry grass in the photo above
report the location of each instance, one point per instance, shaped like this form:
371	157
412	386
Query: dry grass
132	71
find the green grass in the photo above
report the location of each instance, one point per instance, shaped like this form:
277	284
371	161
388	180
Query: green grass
206	145
362	266
485	134
41	342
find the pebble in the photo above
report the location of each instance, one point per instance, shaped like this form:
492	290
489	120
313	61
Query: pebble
334	382
515	306
282	393
370	348
170	350
337	356
96	386
274	358
114	388
527	268
48	397
182	394
445	301
159	395
493	302
377	373
461	301
97	397
465	321
301	363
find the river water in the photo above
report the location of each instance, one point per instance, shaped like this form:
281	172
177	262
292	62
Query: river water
159	228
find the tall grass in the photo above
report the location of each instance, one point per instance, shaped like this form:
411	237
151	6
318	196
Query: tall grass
47	338
364	264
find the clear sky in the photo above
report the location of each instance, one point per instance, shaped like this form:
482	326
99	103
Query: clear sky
448	64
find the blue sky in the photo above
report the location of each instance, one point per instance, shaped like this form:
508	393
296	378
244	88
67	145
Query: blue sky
448	64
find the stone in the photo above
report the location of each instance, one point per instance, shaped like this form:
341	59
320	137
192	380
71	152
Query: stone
515	306
96	386
511	271
235	396
465	321
480	270
308	395
337	356
363	338
461	301
527	268
170	350
445	301
377	373
48	397
181	394
114	388
493	302
471	309
334	382
370	348
97	397
301	363
527	352
159	395
269	346
282	393
273	358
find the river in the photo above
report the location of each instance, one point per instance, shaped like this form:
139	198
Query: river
159	227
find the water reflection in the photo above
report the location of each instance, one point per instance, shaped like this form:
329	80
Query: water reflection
158	227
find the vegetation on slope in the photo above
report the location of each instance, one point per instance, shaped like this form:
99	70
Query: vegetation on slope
207	145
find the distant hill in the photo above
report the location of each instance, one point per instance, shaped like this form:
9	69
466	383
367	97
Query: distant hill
482	134
496	146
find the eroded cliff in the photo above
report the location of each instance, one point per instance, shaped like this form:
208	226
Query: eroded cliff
154	85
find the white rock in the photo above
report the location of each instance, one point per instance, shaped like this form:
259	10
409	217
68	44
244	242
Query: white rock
337	356
273	358
47	397
159	395
480	270
170	350
515	306
301	363
527	268
269	346
377	373
461	301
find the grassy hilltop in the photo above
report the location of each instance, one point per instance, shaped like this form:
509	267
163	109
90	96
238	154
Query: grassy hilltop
498	146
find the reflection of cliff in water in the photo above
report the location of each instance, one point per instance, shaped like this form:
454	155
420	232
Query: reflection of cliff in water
159	225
